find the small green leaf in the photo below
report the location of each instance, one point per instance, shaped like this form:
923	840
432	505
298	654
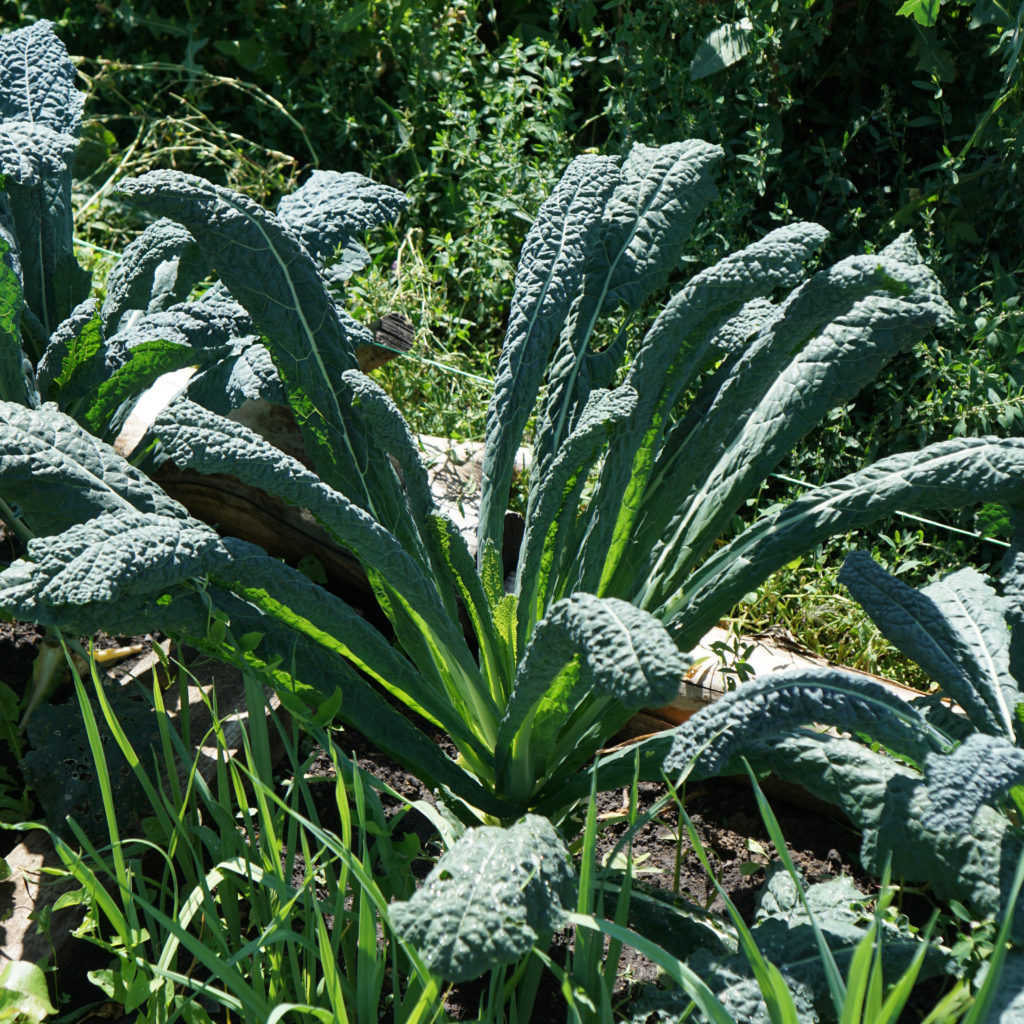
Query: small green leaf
249	641
23	993
994	521
312	568
924	12
960	911
75	898
722	48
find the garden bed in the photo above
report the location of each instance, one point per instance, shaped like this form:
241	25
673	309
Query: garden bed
723	810
655	440
821	844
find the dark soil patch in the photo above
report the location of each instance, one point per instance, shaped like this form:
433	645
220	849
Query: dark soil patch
735	839
18	642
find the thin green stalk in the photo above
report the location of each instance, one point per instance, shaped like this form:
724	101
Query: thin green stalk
979	1011
357	867
686	978
611	966
586	956
88	879
890	1010
121	873
270	972
836	985
773	987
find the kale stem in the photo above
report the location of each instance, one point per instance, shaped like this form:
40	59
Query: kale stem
15	522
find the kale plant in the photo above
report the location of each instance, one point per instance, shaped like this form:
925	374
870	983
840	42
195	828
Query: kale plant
935	785
61	349
93	359
632	486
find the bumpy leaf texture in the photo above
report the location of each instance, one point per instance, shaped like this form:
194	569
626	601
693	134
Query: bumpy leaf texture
685	336
61	769
331	210
783	932
950	474
195	438
1007	1006
31	154
197	325
47	586
662	193
659	194
247	374
37	80
263	264
489	899
105	559
889	803
779	701
58	474
622	653
156	270
65	344
980	770
955	629
590	662
1013	589
43	115
551	268
198	439
830	338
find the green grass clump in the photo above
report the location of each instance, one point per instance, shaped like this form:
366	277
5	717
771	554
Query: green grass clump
239	895
807	599
241	903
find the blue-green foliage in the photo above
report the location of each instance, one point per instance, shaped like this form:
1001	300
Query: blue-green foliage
935	785
489	899
94	362
632	484
40	122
